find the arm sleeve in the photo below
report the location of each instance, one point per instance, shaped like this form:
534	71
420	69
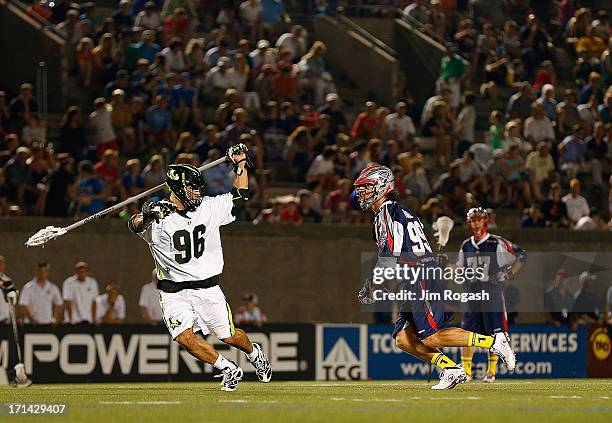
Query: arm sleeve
221	209
57	297
507	253
67	291
142	299
24	297
120	307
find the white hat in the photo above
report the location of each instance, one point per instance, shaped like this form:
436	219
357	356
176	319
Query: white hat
263	44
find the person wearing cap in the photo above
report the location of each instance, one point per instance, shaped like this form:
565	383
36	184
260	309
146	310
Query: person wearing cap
312	68
18	178
90	192
70	26
221	49
121	16
40	300
22	106
102	126
148	18
61	191
294	42
262	55
539	166
148	301
249	314
108	308
250	14
559	301
587	305
79	290
400	126
338	122
576	204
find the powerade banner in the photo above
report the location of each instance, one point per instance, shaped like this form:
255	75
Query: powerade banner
352	352
146	353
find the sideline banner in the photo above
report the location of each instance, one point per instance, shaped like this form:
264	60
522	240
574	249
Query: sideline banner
348	352
141	353
599	351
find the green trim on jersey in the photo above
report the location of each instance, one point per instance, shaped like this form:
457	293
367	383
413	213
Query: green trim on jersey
231	322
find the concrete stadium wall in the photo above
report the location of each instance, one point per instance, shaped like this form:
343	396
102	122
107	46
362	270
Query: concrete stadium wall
365	64
23	46
304	274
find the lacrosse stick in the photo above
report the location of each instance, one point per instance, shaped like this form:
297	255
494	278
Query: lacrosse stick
443	226
21	378
52	232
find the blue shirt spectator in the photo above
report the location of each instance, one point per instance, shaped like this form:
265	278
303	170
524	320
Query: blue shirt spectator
273	11
147	50
90	186
158	118
572	148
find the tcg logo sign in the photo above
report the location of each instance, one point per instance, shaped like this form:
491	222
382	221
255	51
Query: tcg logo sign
342	352
601	344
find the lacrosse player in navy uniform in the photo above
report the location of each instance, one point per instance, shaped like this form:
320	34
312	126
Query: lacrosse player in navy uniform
500	260
420	328
183	236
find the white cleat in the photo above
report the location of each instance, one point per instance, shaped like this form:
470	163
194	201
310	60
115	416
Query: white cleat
501	347
451	377
489	379
263	370
230	378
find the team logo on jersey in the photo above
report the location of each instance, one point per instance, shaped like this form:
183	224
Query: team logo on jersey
174	323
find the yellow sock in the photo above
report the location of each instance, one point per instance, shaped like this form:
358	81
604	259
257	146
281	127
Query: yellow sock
478	340
442	361
466	362
493	359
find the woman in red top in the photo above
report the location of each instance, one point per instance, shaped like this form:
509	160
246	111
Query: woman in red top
366	123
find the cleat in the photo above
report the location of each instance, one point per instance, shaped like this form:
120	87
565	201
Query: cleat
488	379
501	347
231	377
263	370
451	377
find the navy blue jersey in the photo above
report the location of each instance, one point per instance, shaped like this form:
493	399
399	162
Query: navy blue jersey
398	232
492	253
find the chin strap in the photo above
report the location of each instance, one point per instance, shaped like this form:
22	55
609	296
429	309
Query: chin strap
239	196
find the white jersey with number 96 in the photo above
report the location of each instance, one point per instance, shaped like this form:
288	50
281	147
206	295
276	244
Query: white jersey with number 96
186	246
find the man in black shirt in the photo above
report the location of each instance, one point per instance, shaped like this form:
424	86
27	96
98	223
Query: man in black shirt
61	187
555	211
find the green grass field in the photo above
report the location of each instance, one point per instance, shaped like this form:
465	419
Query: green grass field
543	401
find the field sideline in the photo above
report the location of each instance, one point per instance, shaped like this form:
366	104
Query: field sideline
544	401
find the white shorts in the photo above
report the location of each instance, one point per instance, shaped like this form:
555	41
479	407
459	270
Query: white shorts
203	310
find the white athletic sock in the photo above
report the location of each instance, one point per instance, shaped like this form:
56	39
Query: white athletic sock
223	363
253	354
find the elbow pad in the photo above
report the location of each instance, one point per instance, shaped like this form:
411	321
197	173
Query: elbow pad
132	226
239	196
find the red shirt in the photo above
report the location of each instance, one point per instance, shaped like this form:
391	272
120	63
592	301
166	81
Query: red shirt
107	174
364	126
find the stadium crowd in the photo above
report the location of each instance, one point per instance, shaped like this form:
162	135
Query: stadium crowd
165	90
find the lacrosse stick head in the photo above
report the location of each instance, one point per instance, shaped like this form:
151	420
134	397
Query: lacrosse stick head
443	226
44	235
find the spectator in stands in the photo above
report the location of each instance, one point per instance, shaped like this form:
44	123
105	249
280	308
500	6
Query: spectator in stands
122	18
102	126
555	211
307	211
587	305
71	27
576	204
538	127
147	47
250	12
537	43
533	217
312	68
571	151
400	126
417	10
548	102
559	301
592	88
61	192
337	203
72	134
520	104
85	60
322	168
90	193
567	113
131	182
592	43
337	119
293	42
438	129
148	301
591	222
159	123
40	301
174	54
178	24
539	165
108	308
466	123
148	18
19	179
274	16
249	313
79	290
22	107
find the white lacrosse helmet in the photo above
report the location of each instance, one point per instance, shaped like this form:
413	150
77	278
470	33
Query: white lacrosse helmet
372	184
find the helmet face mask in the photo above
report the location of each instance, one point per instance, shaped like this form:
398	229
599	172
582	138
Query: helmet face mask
372	184
477	219
187	184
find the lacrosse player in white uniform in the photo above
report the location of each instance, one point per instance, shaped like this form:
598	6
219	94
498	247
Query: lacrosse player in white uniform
183	236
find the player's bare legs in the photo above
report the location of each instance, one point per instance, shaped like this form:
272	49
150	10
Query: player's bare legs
254	354
407	341
240	340
197	347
